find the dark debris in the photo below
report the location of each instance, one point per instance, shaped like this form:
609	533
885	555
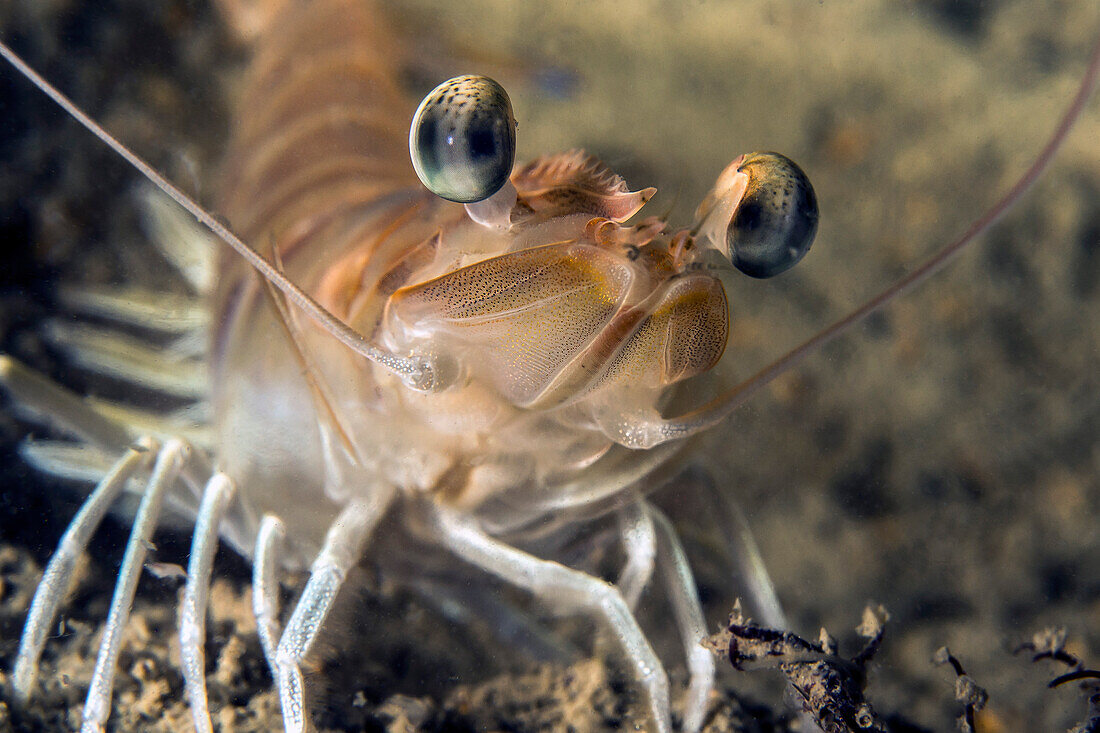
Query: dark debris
829	686
972	696
1050	643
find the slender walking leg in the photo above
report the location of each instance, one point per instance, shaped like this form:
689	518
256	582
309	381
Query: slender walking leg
678	579
342	549
751	573
640	543
265	586
565	589
98	703
59	572
216	496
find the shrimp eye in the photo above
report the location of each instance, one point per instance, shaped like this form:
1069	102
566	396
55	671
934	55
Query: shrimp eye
775	222
463	139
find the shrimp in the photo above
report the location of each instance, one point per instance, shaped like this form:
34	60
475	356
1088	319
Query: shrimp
857	456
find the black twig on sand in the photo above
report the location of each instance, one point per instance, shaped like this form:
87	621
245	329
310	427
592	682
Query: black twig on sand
967	691
1050	644
830	687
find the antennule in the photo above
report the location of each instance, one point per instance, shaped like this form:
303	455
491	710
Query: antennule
417	373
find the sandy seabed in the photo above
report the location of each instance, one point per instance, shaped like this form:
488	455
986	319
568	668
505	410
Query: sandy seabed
942	461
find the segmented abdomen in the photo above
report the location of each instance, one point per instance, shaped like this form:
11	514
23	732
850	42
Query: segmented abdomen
320	134
321	124
317	166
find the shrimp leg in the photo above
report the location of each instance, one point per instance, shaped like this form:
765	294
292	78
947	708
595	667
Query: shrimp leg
342	549
565	589
750	573
680	583
640	543
58	576
216	496
169	463
265	587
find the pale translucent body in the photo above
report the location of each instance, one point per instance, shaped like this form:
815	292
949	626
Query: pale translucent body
538	328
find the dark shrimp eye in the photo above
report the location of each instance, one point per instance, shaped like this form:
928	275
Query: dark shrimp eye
463	139
775	222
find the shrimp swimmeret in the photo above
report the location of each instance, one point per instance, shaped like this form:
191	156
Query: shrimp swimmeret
512	367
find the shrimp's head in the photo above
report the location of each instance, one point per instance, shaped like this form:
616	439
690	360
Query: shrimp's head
545	295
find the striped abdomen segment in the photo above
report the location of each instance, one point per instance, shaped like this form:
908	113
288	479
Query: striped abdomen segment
320	139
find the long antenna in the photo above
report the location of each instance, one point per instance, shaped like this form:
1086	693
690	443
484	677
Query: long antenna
416	373
420	375
718	408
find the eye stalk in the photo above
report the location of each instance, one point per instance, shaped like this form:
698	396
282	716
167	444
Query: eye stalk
463	139
762	214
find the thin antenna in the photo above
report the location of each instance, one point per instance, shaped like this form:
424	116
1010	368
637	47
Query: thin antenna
718	408
417	373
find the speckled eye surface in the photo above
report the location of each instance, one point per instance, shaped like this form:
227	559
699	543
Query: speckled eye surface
463	139
776	220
